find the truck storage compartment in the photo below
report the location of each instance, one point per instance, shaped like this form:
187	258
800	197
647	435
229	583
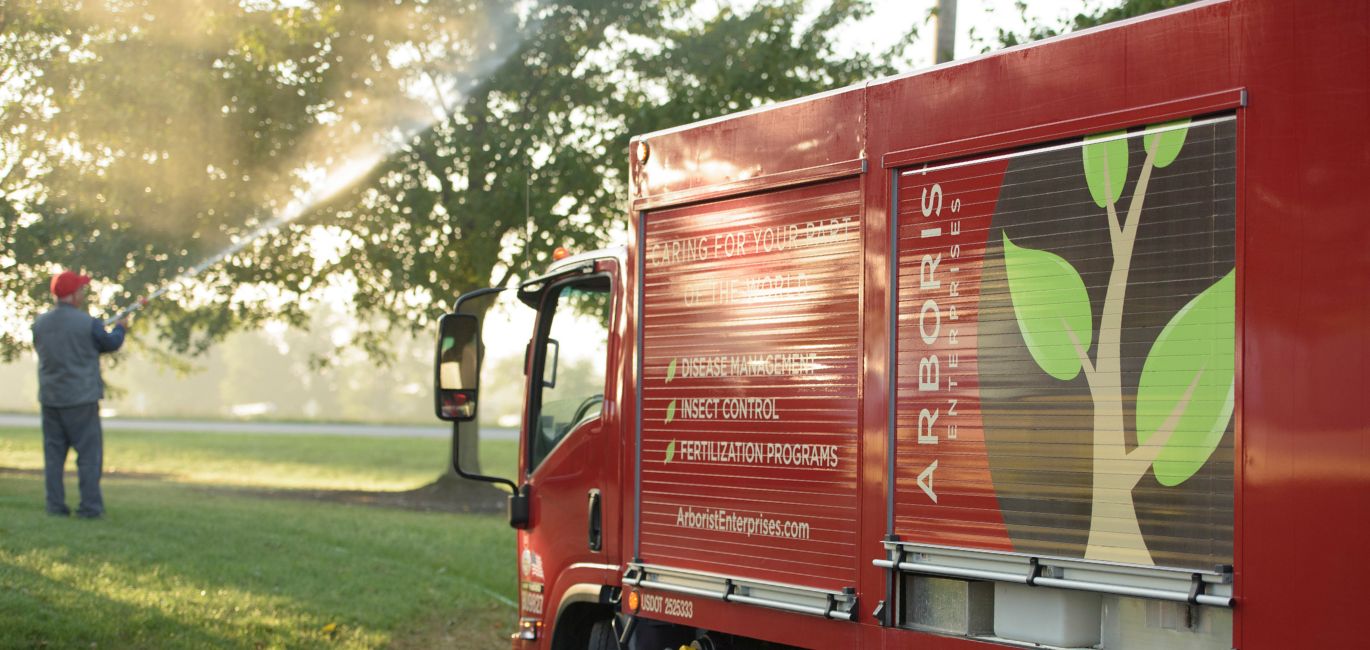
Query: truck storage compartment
1065	377
751	349
1054	617
949	605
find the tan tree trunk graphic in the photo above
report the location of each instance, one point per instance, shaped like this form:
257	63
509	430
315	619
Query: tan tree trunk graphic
1184	398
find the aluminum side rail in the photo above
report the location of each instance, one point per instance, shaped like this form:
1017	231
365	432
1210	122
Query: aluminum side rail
840	605
1179	585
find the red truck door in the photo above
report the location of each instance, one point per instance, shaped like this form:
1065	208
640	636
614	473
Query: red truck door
570	547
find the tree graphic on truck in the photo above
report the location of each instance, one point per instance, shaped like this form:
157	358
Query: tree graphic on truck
1185	395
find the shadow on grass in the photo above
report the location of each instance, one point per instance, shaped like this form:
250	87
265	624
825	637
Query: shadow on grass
326	462
37	611
479	499
247	571
108	474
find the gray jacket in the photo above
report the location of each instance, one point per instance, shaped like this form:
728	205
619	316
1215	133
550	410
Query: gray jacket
69	342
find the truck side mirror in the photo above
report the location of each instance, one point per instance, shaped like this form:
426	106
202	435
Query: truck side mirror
456	369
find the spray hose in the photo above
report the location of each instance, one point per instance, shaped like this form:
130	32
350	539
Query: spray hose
137	304
289	215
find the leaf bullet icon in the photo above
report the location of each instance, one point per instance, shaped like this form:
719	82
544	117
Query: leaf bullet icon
670	371
670	452
670	412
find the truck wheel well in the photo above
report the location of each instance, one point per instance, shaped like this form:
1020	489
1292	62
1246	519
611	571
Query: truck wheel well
572	631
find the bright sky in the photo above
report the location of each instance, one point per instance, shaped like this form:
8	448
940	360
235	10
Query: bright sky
891	19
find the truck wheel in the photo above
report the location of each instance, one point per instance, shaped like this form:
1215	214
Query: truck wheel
602	635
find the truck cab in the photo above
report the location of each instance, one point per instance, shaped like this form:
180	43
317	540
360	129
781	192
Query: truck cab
567	498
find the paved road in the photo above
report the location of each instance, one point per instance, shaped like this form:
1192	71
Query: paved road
295	428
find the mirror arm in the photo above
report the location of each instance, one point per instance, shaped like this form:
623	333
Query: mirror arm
456	426
456	464
472	295
518	499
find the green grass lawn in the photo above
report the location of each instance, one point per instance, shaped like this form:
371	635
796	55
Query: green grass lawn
268	460
189	566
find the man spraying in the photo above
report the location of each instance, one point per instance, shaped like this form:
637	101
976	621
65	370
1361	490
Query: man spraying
69	343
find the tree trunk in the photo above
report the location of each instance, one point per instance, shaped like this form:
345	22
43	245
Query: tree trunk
476	496
466	447
1114	533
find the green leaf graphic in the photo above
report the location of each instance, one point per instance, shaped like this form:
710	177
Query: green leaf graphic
1051	305
670	452
1168	141
1105	167
670	412
670	371
1194	355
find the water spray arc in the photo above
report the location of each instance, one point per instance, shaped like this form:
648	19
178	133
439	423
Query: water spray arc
291	213
460	85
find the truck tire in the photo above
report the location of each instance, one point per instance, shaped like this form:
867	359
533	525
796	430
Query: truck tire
602	635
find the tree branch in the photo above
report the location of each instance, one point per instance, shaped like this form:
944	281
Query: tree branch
1134	209
1080	352
504	279
436	168
437	89
1145	454
1115	230
1111	321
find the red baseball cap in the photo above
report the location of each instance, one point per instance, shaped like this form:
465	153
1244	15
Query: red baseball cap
67	282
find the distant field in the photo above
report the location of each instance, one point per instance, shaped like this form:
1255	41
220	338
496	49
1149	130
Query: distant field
268	460
186	559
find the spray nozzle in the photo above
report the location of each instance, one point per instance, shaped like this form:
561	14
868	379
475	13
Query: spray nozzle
123	313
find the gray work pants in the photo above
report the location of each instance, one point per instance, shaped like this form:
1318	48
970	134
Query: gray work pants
74	427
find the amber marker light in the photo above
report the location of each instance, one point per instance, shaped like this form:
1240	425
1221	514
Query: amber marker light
634	601
644	151
560	254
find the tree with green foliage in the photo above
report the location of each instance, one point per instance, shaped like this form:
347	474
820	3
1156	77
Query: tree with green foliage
1184	399
141	137
532	155
1173	440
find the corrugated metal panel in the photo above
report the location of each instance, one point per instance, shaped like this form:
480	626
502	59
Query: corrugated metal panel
1036	340
751	358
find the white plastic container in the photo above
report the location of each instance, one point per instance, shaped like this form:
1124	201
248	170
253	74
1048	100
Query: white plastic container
1055	617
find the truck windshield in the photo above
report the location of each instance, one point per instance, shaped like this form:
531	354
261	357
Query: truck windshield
572	349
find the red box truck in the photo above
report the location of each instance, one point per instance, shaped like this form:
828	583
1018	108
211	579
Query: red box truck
1063	346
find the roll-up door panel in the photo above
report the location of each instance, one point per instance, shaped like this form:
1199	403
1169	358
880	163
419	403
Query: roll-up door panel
1066	349
750	362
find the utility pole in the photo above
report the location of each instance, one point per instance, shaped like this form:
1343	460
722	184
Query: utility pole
946	30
